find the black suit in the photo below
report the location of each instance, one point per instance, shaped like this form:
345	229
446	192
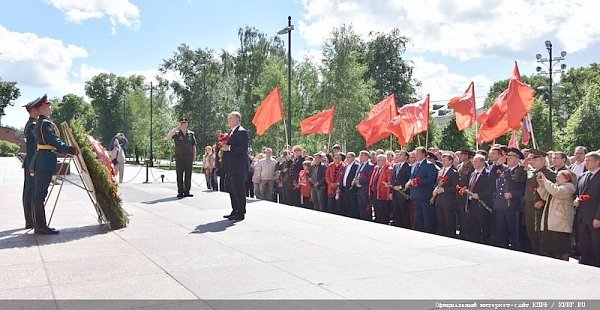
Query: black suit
362	195
349	205
445	202
400	210
589	237
235	167
478	219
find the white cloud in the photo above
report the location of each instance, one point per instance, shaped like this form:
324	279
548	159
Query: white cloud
443	85
461	28
314	56
39	62
120	12
87	72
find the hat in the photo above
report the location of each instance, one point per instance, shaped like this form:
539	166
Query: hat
432	156
38	101
515	151
468	152
336	146
537	153
183	119
319	154
504	148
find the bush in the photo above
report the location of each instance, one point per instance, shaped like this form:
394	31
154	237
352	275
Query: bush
8	149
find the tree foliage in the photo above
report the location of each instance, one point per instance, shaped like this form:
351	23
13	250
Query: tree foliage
584	125
8	92
451	138
73	107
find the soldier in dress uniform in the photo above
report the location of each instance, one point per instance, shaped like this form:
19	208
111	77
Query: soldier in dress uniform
185	154
32	109
533	201
508	198
43	163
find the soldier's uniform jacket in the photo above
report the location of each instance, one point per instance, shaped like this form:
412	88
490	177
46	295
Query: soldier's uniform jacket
464	173
48	144
184	143
30	142
509	181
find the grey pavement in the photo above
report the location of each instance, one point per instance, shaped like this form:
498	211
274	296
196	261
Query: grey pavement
184	250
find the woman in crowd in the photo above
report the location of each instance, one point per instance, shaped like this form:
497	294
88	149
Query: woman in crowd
117	153
208	166
557	217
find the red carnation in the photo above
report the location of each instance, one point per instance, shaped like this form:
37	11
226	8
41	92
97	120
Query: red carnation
584	197
416	182
533	189
223	138
461	191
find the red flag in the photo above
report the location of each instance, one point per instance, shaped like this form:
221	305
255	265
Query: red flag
374	127
464	108
269	112
526	132
413	119
513	141
516	98
319	123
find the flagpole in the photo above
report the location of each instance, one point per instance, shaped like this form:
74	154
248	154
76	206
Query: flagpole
329	141
531	132
287	142
391	142
476	144
427	138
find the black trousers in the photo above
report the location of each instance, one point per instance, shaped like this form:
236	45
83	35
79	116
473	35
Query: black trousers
42	180
183	167
400	211
589	244
28	194
236	185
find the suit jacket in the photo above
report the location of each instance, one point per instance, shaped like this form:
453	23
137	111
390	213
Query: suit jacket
464	173
401	174
589	210
295	169
353	167
235	161
333	175
364	177
385	177
427	174
317	174
484	187
448	197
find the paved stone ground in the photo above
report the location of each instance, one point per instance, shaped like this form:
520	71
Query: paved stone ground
184	250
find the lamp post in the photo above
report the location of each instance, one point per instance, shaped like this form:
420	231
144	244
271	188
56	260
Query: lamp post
288	30
150	161
550	62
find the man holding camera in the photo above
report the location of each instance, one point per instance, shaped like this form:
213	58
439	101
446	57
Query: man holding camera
185	153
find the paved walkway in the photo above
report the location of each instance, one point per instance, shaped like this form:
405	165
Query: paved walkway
184	250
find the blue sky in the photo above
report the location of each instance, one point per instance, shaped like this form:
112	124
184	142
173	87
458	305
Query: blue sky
54	46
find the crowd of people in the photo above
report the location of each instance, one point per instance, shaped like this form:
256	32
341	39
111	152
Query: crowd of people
544	203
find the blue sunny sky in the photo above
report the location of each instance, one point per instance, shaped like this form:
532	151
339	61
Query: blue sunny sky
54	46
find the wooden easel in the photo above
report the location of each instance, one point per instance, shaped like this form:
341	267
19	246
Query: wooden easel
84	176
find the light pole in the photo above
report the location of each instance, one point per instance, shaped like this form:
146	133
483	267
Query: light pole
550	62
150	162
288	30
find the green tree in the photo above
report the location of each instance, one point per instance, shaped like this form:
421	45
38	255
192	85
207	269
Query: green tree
108	92
8	92
344	83
386	66
73	107
584	124
451	139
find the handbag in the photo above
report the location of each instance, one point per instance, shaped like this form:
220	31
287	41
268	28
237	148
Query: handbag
115	161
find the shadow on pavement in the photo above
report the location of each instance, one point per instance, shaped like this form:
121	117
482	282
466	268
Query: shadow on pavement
167	199
218	226
28	239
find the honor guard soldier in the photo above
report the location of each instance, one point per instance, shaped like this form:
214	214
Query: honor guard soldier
44	162
185	153
30	143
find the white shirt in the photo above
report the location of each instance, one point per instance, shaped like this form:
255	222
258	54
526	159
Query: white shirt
346	173
578	168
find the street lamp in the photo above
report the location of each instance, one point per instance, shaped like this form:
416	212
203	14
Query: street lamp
288	30
150	162
550	62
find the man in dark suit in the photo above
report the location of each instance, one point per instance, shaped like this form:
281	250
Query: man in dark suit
445	197
588	204
421	184
401	175
508	199
348	190
477	221
362	178
465	168
318	194
295	168
235	165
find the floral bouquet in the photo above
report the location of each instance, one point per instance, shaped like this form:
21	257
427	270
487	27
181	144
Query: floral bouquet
441	181
464	191
584	197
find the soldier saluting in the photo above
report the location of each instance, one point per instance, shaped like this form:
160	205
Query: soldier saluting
44	162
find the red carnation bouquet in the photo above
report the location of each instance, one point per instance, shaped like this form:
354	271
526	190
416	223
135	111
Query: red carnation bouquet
441	181
533	190
584	197
415	182
223	138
